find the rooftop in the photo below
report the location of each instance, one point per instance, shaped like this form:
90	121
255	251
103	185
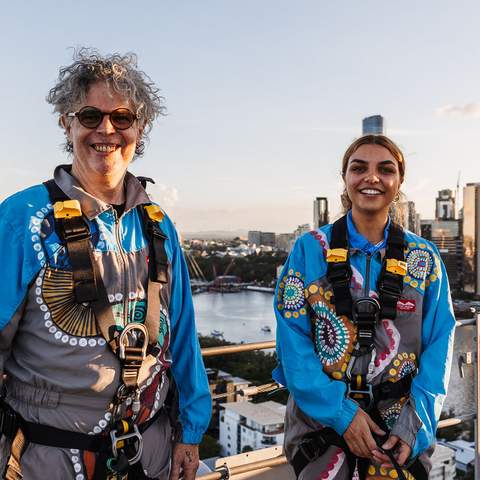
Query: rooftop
266	413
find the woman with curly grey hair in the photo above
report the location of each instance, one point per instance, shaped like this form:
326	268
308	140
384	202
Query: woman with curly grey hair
97	337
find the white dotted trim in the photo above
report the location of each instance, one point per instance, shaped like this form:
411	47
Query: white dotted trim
35	224
77	464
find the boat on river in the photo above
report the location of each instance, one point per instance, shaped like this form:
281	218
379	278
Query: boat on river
216	333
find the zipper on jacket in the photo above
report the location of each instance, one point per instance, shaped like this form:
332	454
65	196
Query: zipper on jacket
366	290
124	267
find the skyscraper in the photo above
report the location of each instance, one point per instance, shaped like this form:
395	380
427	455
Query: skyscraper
372	125
320	212
411	220
446	233
471	240
445	205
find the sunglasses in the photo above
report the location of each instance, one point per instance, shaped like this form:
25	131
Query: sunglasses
92	117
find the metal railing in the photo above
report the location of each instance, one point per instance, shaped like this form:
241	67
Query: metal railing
224	472
243	347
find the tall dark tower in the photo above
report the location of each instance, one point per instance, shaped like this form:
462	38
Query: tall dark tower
320	212
372	125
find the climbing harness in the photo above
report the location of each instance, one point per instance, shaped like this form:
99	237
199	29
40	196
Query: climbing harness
119	450
365	313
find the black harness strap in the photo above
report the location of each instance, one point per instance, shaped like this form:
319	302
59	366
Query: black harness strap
339	273
390	286
11	421
76	235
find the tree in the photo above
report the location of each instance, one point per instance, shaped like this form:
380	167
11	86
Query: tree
209	447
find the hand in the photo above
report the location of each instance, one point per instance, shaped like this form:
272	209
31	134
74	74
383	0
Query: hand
185	460
401	454
359	437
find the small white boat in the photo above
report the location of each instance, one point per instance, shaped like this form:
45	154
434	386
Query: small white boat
266	329
216	333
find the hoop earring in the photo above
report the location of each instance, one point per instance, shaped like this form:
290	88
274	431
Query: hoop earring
396	199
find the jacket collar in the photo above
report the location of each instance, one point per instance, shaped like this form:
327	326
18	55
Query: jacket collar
92	206
357	241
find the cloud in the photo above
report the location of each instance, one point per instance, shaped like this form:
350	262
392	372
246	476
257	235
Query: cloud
165	195
467	110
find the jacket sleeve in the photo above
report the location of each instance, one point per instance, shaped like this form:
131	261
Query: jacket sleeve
429	387
19	266
299	367
187	364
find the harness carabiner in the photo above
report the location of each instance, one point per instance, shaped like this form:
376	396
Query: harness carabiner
124	342
127	443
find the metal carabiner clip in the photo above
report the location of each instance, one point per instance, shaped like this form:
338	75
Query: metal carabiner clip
119	442
125	343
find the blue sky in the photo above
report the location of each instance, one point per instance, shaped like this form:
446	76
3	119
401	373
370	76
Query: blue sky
263	97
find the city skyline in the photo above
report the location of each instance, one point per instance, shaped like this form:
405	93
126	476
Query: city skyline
262	99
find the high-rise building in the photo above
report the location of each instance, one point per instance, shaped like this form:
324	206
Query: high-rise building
411	220
372	125
320	212
285	241
445	205
446	233
471	240
255	237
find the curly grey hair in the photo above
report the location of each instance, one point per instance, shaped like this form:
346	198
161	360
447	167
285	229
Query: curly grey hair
120	72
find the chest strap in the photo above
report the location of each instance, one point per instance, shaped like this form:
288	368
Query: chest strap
390	282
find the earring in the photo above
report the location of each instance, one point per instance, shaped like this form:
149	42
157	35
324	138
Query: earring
396	199
69	146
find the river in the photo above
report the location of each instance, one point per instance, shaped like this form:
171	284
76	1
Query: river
240	316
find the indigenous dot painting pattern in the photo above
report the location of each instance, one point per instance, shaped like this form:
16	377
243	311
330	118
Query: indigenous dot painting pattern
403	364
333	336
422	266
375	472
321	238
333	466
385	356
290	295
390	415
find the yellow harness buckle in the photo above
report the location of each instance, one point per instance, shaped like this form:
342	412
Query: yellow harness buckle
335	255
154	212
396	266
67	209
